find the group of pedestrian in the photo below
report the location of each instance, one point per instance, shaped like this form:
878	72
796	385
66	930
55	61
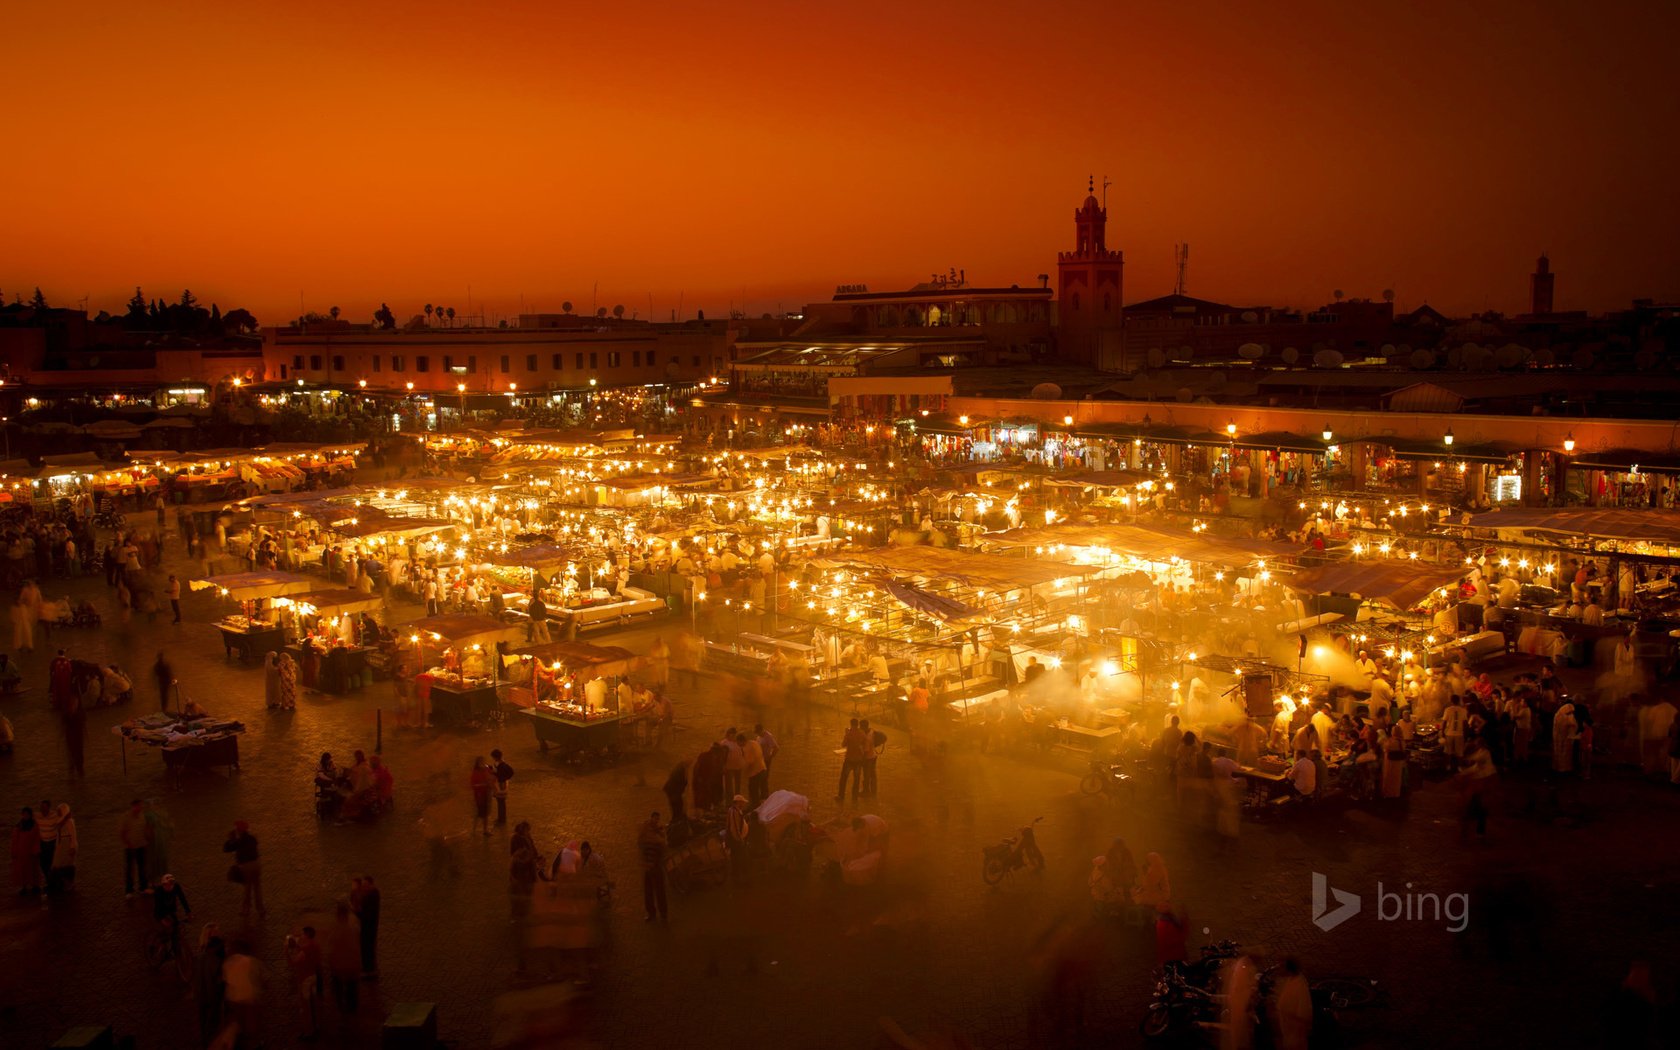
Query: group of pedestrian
44	849
862	746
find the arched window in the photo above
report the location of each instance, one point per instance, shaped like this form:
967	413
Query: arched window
1075	305
1108	303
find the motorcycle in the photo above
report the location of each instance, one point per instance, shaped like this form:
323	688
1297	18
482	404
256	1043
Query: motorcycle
1012	854
1178	1005
1107	778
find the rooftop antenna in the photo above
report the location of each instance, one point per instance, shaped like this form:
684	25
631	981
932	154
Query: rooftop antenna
1181	255
1106	185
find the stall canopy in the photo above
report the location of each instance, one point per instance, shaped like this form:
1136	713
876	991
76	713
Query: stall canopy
1402	585
74	463
1661	526
1097	479
339	602
595	661
464	629
926	602
1150	542
991	571
544	557
245	586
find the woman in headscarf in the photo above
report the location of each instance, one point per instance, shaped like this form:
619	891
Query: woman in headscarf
63	874
271	680
288	681
1154	888
26	854
1564	729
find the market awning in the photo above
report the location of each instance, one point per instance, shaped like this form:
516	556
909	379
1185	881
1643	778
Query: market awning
1109	479
1402	585
995	572
599	660
339	602
74	463
1282	440
938	605
463	629
1659	525
245	586
543	557
1150	542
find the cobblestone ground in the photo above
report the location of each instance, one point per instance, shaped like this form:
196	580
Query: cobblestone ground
1584	878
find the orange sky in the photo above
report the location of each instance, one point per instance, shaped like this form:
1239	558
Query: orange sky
406	149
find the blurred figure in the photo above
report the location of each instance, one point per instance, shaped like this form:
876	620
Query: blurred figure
1294	1008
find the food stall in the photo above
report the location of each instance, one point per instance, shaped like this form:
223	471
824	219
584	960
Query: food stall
574	707
460	689
185	742
256	629
331	622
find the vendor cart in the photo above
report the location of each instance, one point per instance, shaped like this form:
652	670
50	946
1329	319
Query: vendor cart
575	736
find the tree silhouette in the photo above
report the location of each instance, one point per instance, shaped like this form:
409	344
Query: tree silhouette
384	317
428	313
188	299
137	305
38	301
215	319
601	312
451	313
333	313
239	320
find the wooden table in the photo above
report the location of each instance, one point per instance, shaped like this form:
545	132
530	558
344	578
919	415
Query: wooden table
574	735
253	645
460	707
1113	716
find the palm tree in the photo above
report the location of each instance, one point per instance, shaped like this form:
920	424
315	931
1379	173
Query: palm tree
451	313
333	313
428	313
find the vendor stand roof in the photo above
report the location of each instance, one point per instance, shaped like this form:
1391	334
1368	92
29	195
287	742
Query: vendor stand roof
1655	525
338	602
992	571
247	585
464	629
1401	584
601	660
1149	542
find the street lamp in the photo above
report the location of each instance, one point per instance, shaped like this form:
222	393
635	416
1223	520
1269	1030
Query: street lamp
362	383
1067	421
1449	437
1569	442
410	385
1231	429
1327	435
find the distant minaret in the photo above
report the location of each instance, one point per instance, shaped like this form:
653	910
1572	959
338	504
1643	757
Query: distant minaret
1540	287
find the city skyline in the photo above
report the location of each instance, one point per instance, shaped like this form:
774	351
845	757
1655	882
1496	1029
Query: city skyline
722	162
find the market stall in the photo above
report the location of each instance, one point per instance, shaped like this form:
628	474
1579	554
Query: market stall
256	629
185	742
338	640
575	707
461	688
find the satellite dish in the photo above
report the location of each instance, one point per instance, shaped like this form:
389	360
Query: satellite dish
1388	295
1047	392
566	306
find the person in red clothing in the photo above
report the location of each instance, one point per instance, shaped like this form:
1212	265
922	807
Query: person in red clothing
1171	924
59	685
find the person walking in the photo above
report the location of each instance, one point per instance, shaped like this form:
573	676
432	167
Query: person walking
173	591
242	985
164	675
854	744
768	745
344	961
365	901
60	680
171	912
523	865
62	875
651	842
431	596
503	773
243	845
754	769
873	741
734	762
737	830
135	834
676	786
481	781
207	987
303	958
26	855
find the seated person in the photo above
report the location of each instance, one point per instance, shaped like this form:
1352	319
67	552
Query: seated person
193	709
1303	775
